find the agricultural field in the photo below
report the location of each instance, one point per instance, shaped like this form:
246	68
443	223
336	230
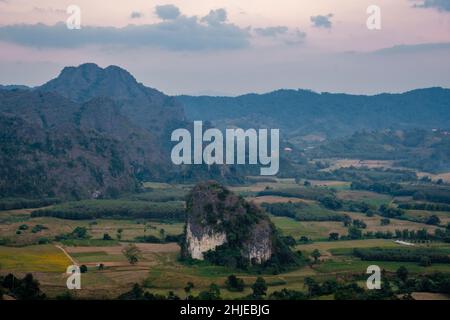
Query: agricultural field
424	214
160	270
315	230
39	258
369	197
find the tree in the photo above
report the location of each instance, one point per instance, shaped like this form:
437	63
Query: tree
354	233
119	233
359	224
433	220
162	233
136	293
79	233
212	294
313	286
347	220
132	253
385	221
303	239
316	255
402	273
259	288
234	283
188	288
331	203
425	261
307	183
334	236
83	268
106	236
28	289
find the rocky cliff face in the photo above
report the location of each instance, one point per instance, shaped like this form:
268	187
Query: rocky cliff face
220	221
203	240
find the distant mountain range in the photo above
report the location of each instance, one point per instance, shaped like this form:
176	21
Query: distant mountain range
304	113
97	132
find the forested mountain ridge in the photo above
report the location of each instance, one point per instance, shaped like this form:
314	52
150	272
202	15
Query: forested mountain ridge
146	107
302	112
90	132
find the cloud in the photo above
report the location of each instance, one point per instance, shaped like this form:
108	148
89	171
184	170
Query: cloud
322	21
47	10
167	12
136	15
271	31
215	17
297	38
440	5
181	33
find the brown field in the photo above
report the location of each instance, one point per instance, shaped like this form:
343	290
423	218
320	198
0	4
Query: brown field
374	223
325	246
429	296
131	229
422	214
276	199
144	247
328	183
345	163
444	176
360	195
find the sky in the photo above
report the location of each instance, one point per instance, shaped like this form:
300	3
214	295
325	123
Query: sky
232	47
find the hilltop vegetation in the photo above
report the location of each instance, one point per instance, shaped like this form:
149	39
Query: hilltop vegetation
425	150
302	112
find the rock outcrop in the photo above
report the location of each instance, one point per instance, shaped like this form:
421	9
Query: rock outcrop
225	229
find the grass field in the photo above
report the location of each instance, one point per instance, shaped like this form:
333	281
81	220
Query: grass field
96	229
424	214
374	223
42	258
368	197
358	266
314	230
325	246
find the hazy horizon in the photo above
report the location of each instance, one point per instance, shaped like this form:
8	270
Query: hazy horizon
227	47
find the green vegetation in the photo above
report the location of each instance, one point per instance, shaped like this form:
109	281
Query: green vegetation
298	192
403	255
118	209
302	212
22	203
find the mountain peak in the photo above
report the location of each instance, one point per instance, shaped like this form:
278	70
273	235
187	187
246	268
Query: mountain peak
88	81
144	106
91	73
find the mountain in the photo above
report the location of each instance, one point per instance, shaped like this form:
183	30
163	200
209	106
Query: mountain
426	150
303	114
225	229
44	152
145	107
14	87
90	132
